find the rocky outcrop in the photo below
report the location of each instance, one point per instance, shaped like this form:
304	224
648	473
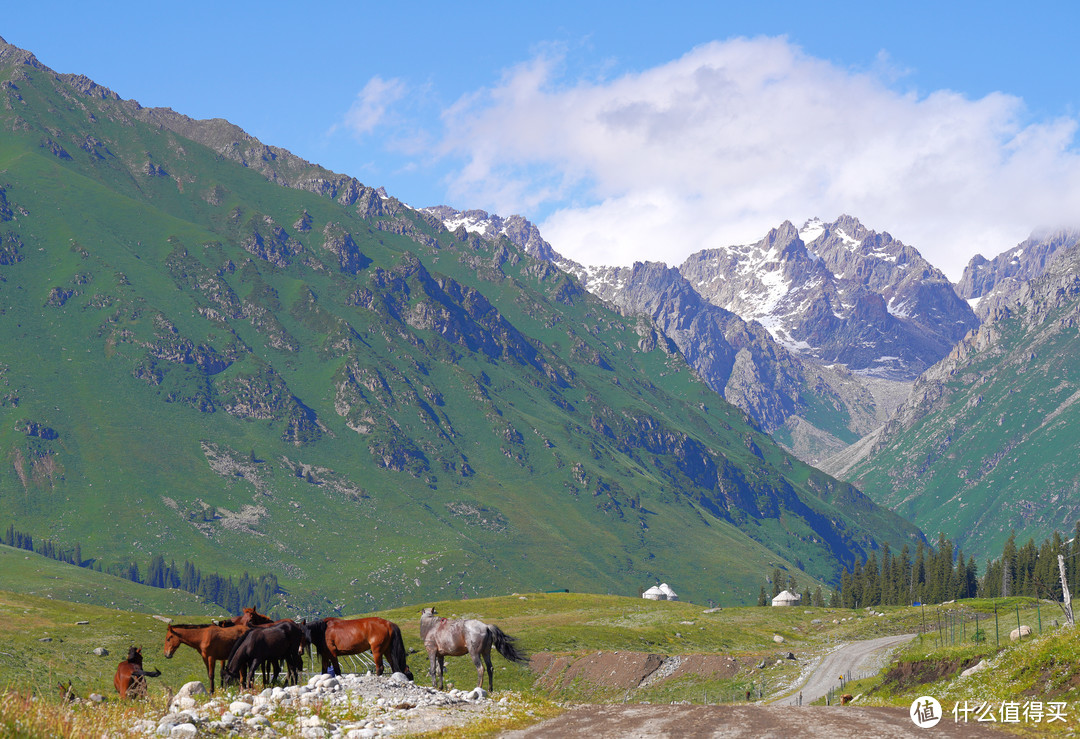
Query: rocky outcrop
989	285
838	293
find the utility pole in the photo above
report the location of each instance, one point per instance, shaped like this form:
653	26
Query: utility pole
1067	607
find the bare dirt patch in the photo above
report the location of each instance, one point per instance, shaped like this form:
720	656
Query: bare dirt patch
911	674
603	671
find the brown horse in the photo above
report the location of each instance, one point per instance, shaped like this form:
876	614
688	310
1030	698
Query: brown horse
130	676
212	642
249	617
445	638
333	637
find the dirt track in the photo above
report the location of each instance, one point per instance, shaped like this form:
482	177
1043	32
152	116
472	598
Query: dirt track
639	721
850	659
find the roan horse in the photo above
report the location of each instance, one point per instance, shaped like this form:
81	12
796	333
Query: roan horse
445	638
333	637
130	678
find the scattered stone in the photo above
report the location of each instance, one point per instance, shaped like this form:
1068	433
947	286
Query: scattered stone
82	623
184	731
165	619
778	639
982	665
96	697
101	652
817	621
184	699
45	638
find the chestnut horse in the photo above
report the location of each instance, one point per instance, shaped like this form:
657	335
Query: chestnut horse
333	637
212	642
445	638
130	676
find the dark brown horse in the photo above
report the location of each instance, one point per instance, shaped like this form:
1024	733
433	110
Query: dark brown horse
333	637
212	642
263	646
130	678
445	638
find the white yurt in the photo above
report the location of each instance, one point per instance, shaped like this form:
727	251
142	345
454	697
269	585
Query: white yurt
654	593
662	591
787	598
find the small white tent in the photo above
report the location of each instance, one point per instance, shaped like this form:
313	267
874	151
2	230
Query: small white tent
654	593
669	594
787	598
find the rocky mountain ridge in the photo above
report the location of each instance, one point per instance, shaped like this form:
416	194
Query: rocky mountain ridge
991	284
745	318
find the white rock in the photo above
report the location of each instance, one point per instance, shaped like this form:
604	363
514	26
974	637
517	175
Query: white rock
983	665
240	708
399	677
778	639
1023	631
183	731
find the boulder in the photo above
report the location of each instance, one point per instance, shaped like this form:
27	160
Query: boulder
1020	633
184	698
982	665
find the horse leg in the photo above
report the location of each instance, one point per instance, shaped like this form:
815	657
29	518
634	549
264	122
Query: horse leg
487	663
479	668
210	664
376	653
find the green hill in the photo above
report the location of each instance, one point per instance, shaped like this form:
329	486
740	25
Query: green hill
986	444
217	352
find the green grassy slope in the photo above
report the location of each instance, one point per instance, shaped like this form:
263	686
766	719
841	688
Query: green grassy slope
207	365
987	445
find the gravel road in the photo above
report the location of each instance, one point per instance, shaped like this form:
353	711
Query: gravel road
854	659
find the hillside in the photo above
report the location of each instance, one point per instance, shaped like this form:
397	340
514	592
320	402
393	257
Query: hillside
985	444
229	355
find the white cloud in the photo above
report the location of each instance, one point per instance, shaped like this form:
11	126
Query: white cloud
735	137
371	104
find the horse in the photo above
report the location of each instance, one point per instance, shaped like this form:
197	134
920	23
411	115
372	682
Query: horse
249	617
284	640
333	637
445	638
130	676
212	642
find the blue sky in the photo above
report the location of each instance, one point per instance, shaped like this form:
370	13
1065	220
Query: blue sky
627	131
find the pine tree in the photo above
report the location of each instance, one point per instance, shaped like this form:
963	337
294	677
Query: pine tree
762	599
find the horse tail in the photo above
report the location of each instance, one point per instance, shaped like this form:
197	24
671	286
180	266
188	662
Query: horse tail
504	645
144	673
397	654
316	634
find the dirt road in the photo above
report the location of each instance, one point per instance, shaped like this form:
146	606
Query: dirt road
638	721
852	659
